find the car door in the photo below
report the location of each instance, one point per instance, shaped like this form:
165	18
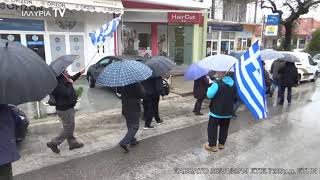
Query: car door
101	65
312	66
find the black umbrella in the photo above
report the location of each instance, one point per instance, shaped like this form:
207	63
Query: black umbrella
289	58
160	65
24	76
61	63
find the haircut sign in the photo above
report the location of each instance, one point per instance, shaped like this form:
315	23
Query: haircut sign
186	18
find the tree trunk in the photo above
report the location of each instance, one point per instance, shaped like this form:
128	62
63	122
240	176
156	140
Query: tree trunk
288	36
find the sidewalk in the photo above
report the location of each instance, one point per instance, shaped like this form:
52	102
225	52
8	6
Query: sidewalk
99	131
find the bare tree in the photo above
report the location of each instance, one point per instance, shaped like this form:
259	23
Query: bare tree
292	9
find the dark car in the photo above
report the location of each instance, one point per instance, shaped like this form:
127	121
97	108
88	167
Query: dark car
22	126
95	69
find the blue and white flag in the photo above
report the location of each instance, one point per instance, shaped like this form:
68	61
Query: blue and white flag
99	36
249	76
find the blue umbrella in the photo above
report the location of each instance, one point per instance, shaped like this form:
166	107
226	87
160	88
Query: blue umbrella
270	54
237	54
194	72
122	73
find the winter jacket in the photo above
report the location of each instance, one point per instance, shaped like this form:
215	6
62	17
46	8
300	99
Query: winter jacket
131	96
152	86
8	149
64	94
275	67
222	95
288	75
200	87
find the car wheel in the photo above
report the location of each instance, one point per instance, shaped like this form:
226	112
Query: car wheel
92	84
118	93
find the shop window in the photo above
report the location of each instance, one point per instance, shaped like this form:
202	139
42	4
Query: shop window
144	41
225	35
232	35
302	43
11	37
36	43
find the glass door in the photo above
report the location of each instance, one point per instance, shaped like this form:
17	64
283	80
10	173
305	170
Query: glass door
180	44
36	43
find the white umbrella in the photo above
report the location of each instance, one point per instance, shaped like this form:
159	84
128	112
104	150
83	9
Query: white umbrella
219	63
270	54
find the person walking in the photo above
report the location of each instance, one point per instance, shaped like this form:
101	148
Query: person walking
65	101
8	148
153	88
222	95
288	78
275	67
131	96
199	92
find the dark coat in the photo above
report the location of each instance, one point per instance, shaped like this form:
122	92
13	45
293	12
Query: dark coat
275	67
131	96
152	87
64	94
200	87
288	75
8	149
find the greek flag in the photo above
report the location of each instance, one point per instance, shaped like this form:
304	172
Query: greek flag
249	76
100	35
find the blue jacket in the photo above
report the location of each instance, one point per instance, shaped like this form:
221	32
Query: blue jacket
8	149
213	89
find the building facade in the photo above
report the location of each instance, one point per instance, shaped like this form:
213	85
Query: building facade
55	28
231	26
162	28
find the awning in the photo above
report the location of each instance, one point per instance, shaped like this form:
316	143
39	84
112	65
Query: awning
192	4
103	6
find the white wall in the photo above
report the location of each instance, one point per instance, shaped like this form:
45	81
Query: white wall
92	22
145	17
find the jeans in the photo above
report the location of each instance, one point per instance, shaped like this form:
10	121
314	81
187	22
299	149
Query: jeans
282	91
151	109
197	106
132	120
213	125
275	84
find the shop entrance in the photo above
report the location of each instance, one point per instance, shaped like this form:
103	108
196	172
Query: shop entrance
180	44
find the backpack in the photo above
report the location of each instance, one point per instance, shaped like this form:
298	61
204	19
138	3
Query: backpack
165	88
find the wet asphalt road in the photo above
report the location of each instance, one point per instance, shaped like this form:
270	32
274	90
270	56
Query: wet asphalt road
156	157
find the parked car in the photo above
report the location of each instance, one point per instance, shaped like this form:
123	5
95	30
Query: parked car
307	68
21	127
95	69
316	59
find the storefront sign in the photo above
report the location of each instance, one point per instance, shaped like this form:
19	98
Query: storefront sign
224	27
21	24
271	31
190	18
273	20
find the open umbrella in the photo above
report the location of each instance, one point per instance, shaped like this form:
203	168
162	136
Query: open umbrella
195	72
122	73
160	65
61	63
25	77
289	58
237	54
270	54
219	62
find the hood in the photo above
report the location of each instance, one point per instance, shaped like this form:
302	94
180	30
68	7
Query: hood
228	81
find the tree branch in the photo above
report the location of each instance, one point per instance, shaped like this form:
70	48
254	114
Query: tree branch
289	5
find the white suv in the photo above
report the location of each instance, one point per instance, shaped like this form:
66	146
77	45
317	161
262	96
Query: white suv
307	68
